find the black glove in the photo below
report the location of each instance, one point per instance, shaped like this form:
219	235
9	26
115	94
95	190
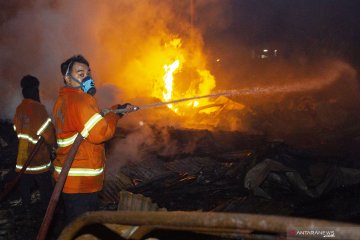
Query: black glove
126	108
123	106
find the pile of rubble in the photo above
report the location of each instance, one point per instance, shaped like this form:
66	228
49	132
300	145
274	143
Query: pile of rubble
208	171
236	172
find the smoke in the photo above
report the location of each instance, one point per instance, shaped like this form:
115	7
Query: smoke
115	36
125	41
142	142
35	39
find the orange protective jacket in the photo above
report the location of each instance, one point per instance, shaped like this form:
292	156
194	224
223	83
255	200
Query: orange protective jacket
31	121
77	112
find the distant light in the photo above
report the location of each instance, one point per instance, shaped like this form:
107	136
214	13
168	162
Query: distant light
265	50
263	56
275	52
141	123
218	60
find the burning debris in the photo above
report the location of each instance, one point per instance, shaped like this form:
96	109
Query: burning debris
201	170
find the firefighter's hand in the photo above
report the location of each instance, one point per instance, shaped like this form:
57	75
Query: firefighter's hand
126	108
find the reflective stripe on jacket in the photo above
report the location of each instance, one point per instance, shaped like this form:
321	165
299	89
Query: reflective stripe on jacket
30	122
77	112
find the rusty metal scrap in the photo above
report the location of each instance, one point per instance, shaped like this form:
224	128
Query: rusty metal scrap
206	222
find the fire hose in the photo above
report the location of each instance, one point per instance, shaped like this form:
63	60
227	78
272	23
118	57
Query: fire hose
216	94
58	188
11	185
225	93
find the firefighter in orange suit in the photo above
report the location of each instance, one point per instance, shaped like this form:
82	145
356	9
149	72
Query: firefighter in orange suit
31	121
76	112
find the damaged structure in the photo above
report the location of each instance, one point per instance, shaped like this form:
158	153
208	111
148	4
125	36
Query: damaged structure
251	187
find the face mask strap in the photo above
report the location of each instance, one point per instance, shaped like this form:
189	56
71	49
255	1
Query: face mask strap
69	74
68	69
76	81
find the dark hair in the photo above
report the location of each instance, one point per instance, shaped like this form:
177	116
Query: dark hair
29	81
68	64
30	87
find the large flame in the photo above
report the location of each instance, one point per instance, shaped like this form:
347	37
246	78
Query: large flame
168	79
196	82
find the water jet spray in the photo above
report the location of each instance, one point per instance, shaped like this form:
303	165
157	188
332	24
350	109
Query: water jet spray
247	91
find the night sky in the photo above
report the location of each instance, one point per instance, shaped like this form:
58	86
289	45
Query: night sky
313	27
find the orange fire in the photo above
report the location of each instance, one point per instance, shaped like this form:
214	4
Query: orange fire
148	62
198	81
168	79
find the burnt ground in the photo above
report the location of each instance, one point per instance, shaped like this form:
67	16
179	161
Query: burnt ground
205	174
